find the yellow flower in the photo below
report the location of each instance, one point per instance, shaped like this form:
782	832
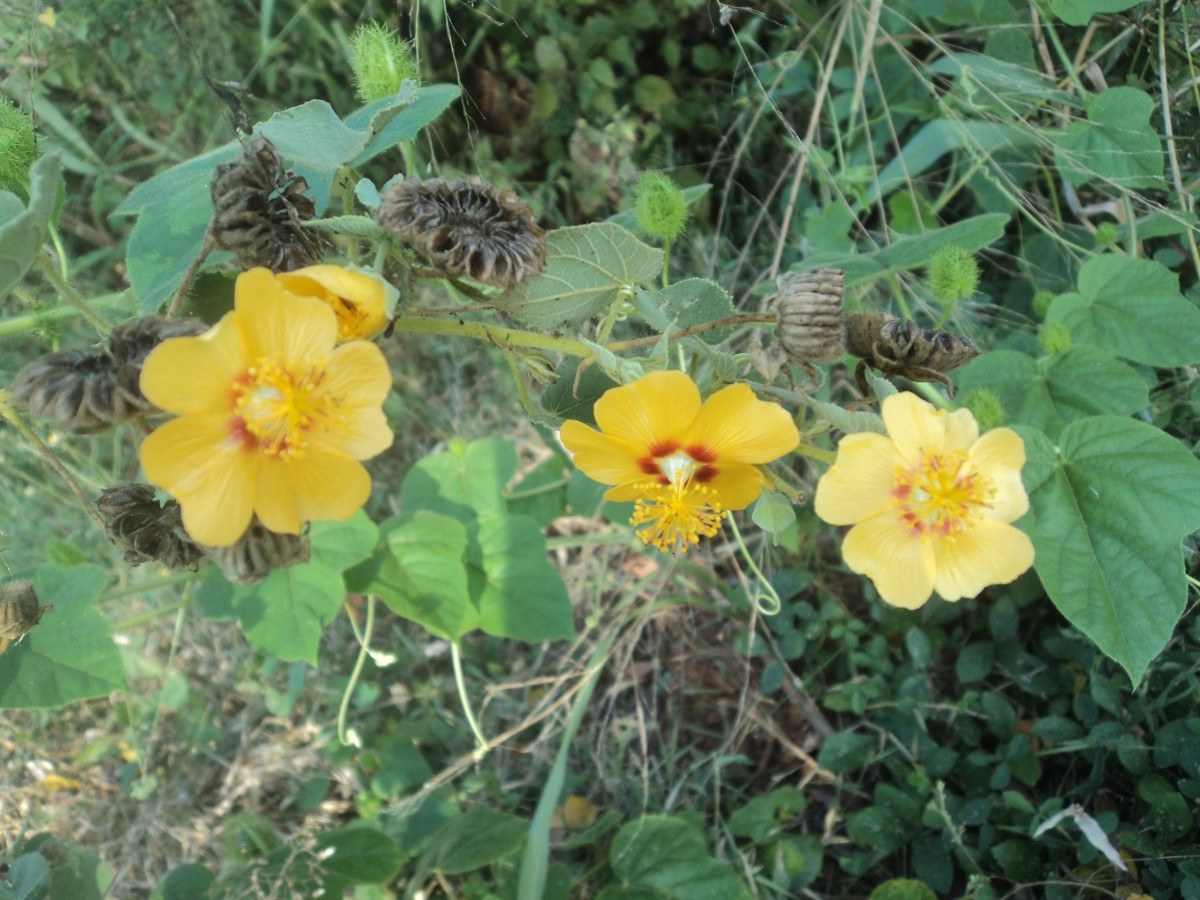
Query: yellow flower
930	504
359	300
272	417
683	462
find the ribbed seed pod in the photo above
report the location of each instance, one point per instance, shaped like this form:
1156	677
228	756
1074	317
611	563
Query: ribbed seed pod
258	208
258	552
483	232
20	610
146	530
898	347
808	309
74	389
132	342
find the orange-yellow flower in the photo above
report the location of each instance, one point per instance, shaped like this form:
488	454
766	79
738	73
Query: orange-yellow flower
272	417
358	300
685	463
930	504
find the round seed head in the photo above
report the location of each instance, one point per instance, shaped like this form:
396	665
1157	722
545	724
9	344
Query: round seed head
74	389
808	309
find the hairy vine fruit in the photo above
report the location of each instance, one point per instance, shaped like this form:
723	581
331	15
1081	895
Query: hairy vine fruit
146	530
20	610
808	309
259	552
479	231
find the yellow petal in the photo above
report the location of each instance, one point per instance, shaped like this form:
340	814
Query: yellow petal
859	484
658	407
961	429
989	553
602	458
359	300
741	428
361	433
358	374
213	480
320	486
998	456
737	485
914	426
193	374
901	566
281	325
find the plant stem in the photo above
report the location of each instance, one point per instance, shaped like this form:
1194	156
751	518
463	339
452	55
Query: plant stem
482	746
33	321
776	603
70	295
364	648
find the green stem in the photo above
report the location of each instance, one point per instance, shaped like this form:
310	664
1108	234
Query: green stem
481	743
149	615
143	587
34	321
522	389
666	273
364	648
1066	60
776	603
504	338
70	295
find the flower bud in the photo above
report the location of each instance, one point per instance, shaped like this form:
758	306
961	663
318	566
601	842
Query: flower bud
18	148
381	62
660	207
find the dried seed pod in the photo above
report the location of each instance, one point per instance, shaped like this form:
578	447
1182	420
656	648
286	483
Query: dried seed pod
132	342
75	389
258	552
20	610
808	309
146	530
258	208
898	347
483	232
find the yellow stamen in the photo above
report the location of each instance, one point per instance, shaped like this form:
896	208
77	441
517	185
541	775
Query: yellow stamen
677	514
941	496
276	406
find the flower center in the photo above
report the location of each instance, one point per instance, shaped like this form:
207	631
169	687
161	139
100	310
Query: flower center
678	508
941	496
350	318
275	407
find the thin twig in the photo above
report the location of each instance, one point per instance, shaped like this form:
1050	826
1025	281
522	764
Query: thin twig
189	276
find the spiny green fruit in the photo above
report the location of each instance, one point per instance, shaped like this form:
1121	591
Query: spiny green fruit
1042	301
18	148
986	407
660	207
1054	337
381	62
953	275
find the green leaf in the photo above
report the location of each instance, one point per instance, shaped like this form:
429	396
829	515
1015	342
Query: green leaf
423	577
1080	12
587	268
773	512
1051	392
358	855
22	228
466	480
283	615
396	119
82	876
848	422
903	889
669	858
187	882
762	818
1111	505
518	592
339	545
574	398
693	301
1131	308
1116	144
475	839
313	137
69	655
846	751
173	210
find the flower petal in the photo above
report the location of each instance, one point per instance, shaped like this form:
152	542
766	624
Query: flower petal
193	374
989	553
358	374
658	407
325	486
363	433
998	456
358	299
739	427
901	566
860	483
602	458
282	325
737	485
914	426
213	480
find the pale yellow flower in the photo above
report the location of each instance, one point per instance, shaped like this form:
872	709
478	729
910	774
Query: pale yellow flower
359	300
931	504
272	417
684	462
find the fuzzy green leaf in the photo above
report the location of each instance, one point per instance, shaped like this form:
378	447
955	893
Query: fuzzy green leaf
394	120
358	855
668	857
1111	505
1131	308
693	301
572	398
1116	144
69	655
1080	12
1051	392
587	268
283	615
22	228
473	840
464	481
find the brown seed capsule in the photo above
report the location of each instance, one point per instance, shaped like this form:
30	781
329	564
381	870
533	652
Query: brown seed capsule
258	552
20	610
808	309
898	347
75	389
258	208
480	231
146	530
132	342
